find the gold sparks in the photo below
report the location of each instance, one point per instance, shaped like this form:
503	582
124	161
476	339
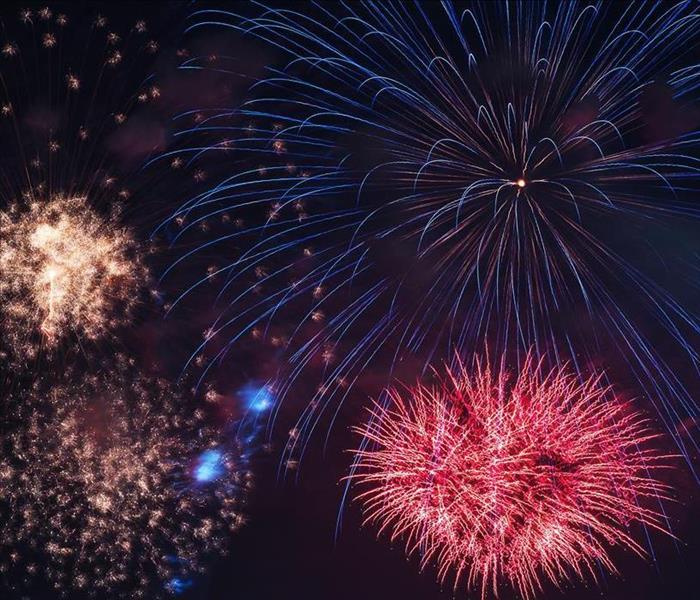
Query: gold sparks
64	270
101	482
114	58
10	49
49	40
72	82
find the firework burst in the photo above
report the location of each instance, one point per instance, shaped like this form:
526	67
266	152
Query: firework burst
523	481
67	94
70	271
114	486
64	270
426	177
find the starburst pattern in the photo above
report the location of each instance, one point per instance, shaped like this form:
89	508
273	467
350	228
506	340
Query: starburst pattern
524	481
70	270
417	179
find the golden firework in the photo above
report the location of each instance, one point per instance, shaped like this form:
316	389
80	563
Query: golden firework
64	270
115	485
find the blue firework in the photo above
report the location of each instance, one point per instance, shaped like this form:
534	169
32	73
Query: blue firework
426	178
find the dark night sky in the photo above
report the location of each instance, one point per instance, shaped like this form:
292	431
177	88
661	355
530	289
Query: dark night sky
288	549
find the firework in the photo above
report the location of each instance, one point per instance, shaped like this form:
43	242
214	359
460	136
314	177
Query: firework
115	486
427	176
64	270
70	272
521	481
67	98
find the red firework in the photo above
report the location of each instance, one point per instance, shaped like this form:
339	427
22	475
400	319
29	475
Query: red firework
517	481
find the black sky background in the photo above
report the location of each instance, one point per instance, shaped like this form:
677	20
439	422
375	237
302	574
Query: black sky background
289	549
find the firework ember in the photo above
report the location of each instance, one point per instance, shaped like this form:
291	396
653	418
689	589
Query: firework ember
115	487
521	481
64	270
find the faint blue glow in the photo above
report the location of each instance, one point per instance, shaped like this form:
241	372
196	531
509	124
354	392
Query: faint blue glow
178	585
210	466
257	398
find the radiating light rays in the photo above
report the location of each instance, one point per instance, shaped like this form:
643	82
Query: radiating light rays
65	106
515	480
71	271
431	177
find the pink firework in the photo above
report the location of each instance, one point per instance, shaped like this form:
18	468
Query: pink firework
510	481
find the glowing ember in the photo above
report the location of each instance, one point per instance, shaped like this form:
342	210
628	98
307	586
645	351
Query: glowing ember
520	482
64	269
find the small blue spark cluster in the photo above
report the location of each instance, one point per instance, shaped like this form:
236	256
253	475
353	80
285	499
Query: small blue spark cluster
209	466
